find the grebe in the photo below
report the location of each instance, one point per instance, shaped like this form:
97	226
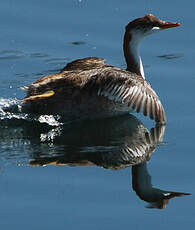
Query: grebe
89	88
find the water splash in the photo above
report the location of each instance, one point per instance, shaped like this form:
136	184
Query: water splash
23	134
16	125
10	109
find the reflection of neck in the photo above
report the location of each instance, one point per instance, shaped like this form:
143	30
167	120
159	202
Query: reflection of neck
141	182
131	52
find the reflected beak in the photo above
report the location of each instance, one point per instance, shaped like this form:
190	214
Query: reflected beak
168	25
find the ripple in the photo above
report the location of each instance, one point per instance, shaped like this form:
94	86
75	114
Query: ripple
2	52
11	54
78	43
39	55
170	56
57	60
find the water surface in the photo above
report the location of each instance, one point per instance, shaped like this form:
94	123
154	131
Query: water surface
87	179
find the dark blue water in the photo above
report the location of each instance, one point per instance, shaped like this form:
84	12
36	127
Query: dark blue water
87	179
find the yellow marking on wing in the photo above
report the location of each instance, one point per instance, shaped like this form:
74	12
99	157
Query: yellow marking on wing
40	96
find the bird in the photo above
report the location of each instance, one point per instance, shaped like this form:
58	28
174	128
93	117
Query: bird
88	88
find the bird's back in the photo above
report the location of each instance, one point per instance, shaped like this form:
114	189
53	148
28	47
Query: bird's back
90	88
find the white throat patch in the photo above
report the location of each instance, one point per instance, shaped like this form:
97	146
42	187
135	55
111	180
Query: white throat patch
137	36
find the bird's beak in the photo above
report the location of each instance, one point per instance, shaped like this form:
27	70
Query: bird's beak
167	25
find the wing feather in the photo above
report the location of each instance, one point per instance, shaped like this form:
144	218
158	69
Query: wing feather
152	115
139	102
131	90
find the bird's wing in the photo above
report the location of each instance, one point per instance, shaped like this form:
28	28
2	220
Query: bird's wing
73	74
129	89
84	63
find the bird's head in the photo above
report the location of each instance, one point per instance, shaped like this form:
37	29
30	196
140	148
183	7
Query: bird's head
149	24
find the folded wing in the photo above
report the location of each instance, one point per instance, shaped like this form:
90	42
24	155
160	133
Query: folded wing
130	90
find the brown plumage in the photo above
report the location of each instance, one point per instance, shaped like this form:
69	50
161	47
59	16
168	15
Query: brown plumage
89	88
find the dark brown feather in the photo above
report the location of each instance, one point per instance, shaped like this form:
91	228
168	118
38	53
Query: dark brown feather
73	82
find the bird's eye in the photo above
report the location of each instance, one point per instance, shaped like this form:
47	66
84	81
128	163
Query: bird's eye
155	29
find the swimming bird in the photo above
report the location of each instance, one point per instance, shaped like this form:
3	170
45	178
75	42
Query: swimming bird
90	88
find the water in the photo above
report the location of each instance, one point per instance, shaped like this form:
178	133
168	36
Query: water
39	38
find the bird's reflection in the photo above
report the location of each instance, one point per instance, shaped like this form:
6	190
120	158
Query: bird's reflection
113	144
141	183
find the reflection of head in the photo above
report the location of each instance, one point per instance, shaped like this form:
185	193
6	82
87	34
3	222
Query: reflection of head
162	203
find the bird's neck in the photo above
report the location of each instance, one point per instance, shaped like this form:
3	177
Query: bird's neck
131	52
